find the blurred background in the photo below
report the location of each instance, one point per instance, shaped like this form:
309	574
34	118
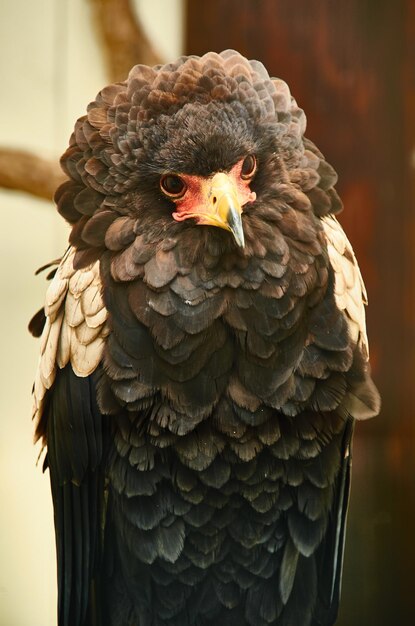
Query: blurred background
351	66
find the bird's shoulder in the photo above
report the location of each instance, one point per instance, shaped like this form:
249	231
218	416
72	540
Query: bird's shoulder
349	289
76	326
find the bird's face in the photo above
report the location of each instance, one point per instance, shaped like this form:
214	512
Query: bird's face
205	175
216	200
202	142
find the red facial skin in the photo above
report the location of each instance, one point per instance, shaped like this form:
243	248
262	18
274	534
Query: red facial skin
196	201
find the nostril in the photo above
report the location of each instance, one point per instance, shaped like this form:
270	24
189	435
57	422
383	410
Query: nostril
214	199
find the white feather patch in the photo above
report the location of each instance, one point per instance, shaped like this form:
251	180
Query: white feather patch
75	329
349	289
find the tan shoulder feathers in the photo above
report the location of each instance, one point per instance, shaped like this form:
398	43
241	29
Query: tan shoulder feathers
76	326
349	289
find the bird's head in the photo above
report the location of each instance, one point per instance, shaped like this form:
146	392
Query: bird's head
202	142
204	172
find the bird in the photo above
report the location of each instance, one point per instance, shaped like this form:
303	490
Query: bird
203	359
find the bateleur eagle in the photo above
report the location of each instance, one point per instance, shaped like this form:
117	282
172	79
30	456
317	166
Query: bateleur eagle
204	357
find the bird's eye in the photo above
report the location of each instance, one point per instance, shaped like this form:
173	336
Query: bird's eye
172	185
248	168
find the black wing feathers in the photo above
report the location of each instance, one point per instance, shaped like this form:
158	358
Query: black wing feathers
75	441
330	552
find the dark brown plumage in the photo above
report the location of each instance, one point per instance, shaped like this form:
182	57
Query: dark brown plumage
204	357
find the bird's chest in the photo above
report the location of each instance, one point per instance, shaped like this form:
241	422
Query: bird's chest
207	473
193	343
200	373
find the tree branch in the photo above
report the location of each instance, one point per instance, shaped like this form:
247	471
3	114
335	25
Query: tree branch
27	172
124	39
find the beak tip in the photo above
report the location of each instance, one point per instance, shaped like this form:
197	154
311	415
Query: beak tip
235	226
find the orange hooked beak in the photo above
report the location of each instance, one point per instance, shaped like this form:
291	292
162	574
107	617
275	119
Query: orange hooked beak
216	200
221	206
